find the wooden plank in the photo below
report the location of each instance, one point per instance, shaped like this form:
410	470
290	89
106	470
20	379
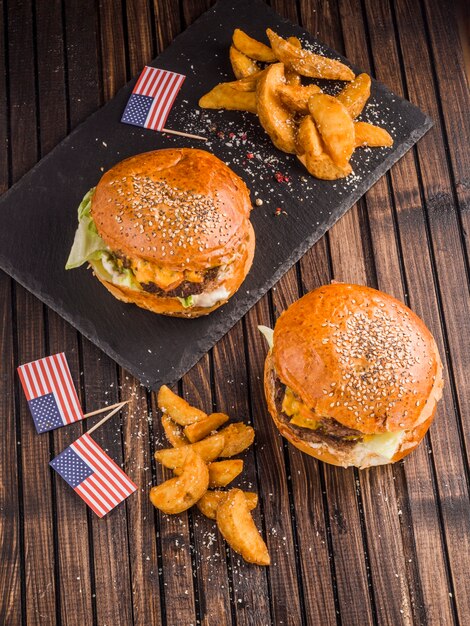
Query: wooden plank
443	24
82	59
142	545
175	544
139	35
444	214
167	22
274	480
113	55
110	534
450	469
36	477
209	547
10	540
250	584
72	525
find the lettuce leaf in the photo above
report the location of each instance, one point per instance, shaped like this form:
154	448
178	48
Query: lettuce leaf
187	302
87	244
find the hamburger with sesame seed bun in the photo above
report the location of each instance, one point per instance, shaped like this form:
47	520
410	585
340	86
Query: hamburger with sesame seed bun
352	377
167	230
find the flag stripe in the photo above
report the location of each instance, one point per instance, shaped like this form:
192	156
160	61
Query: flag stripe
154	83
60	388
24	382
33	378
125	481
156	104
96	482
95	495
83	492
169	101
142	78
161	103
98	460
69	382
41	377
48	365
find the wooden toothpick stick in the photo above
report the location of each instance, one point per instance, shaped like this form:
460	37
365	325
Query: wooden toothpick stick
105	408
181	134
106	417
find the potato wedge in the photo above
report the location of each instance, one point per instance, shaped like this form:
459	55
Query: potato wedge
252	48
177	408
292	77
296	98
248	83
237	437
308	140
180	493
239	530
224	96
221	473
195	432
242	65
173	432
355	95
307	63
310	151
372	136
275	118
335	126
209	449
211	499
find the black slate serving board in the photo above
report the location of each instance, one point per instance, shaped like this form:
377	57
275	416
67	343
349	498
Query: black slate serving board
39	212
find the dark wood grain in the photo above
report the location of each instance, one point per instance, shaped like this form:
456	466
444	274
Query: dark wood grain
384	546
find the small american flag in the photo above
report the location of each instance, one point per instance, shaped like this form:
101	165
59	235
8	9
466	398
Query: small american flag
93	475
152	97
50	392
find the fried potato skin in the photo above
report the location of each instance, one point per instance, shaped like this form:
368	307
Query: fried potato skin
296	98
355	95
239	530
221	473
173	432
177	408
275	118
208	448
211	499
335	126
307	63
252	48
180	493
242	65
237	437
372	136
224	96
199	430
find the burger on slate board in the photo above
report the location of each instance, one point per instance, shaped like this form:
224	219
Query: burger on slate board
353	376
167	230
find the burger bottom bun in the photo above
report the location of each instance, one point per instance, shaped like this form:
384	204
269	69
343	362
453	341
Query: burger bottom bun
353	456
172	306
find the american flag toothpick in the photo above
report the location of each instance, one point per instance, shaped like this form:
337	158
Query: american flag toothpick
50	392
91	473
152	99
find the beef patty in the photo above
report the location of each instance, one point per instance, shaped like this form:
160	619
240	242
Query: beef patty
186	288
329	430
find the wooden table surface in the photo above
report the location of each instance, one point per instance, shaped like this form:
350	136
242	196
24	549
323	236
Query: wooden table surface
389	545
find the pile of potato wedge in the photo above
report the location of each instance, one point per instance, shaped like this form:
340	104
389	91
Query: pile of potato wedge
199	476
300	119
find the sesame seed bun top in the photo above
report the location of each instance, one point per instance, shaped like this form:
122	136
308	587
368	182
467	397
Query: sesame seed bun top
357	355
178	208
